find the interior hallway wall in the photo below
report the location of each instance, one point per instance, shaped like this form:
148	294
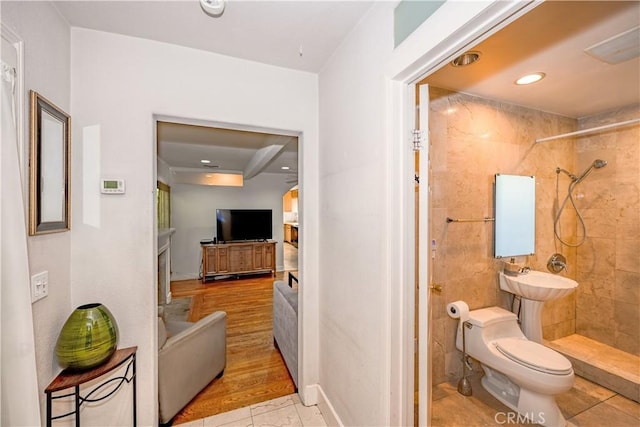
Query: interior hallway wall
472	139
366	187
113	260
47	70
608	268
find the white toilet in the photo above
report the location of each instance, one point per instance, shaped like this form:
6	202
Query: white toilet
522	374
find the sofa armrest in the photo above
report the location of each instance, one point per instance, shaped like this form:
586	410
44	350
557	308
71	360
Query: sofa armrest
189	360
285	325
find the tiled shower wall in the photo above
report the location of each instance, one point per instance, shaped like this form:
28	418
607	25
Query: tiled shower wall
472	139
608	263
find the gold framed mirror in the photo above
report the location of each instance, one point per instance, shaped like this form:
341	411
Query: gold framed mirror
49	167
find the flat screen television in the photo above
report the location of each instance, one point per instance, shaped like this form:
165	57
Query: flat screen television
243	224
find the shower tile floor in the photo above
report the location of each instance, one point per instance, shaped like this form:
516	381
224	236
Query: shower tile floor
608	366
586	405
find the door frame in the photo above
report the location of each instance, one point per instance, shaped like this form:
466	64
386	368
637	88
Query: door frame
413	65
306	393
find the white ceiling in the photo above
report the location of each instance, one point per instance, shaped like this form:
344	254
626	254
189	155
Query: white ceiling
303	34
300	35
183	147
552	39
271	32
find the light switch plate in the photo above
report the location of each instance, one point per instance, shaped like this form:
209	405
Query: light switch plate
39	286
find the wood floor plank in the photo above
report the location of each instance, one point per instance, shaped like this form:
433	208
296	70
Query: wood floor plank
255	370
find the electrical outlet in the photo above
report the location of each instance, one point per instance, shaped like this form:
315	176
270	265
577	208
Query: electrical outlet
39	286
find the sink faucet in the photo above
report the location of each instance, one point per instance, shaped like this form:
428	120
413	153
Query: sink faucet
524	270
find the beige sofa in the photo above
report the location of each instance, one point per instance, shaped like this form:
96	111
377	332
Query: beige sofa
190	356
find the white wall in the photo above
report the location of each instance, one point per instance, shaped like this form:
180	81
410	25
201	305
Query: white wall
193	215
119	83
47	55
366	200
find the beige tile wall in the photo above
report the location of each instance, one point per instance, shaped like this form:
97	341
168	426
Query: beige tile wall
472	139
608	264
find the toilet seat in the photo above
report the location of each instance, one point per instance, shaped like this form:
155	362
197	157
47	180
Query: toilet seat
534	356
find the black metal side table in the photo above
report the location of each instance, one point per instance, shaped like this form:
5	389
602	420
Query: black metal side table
73	379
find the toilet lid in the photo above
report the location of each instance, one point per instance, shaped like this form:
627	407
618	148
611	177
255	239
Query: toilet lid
534	355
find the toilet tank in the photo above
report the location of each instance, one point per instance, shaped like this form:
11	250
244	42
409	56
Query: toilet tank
488	324
491	315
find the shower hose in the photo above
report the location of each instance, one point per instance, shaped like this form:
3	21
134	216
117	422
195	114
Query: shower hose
556	223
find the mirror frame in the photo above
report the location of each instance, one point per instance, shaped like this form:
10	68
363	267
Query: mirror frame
39	104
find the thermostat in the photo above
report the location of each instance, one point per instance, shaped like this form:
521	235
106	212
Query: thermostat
112	186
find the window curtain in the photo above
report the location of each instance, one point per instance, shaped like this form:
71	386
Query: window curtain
19	392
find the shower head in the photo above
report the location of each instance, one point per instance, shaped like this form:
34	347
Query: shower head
598	163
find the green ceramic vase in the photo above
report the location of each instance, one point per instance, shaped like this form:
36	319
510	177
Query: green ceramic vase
88	338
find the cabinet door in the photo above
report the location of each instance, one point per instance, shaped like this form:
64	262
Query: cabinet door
286	201
240	258
209	261
287	233
269	256
222	260
258	257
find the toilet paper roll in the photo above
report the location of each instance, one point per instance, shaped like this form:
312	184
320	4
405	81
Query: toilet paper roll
458	310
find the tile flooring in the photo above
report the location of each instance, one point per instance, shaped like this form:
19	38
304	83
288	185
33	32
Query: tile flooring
586	405
283	411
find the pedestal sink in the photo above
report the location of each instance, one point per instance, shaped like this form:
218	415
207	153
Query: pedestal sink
534	288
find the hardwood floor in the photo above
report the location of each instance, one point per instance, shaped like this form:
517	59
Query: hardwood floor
255	370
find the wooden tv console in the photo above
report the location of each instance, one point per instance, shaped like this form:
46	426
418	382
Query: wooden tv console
234	258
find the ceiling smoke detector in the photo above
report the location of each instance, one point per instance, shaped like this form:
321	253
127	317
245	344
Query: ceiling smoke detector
465	59
213	7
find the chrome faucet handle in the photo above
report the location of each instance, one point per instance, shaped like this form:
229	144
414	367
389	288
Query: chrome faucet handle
524	270
557	263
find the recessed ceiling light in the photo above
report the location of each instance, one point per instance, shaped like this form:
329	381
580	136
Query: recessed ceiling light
465	59
530	78
205	162
285	168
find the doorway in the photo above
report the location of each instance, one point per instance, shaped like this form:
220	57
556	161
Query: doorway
424	245
194	201
496	25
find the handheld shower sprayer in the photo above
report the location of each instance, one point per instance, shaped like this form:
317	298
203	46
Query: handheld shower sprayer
598	163
575	180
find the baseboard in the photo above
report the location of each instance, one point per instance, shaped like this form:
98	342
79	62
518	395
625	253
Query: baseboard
328	411
184	276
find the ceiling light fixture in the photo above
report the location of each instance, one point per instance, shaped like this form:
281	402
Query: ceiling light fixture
465	59
530	78
285	168
205	162
213	7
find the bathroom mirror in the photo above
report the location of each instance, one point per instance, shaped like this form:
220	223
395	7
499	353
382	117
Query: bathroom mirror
515	215
49	173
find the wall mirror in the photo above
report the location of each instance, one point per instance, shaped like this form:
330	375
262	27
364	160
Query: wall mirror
515	213
49	174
